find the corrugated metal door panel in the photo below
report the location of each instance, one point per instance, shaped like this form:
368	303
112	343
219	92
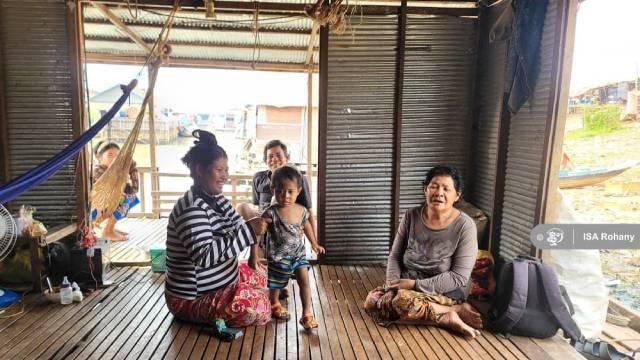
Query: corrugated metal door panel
525	152
489	94
359	163
38	94
440	60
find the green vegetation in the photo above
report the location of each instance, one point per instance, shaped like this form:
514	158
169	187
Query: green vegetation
598	121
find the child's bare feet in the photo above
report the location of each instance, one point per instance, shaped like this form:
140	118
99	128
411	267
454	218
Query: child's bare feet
113	236
452	321
469	315
123	233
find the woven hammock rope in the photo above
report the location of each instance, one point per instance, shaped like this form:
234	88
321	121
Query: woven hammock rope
105	195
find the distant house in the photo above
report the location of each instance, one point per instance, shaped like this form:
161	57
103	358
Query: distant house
286	123
610	92
120	126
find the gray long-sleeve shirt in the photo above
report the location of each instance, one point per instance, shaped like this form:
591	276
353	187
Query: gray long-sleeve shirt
439	260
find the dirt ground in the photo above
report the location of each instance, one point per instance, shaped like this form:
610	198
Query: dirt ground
616	200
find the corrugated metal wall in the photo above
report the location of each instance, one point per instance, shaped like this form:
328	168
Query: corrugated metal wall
525	154
38	89
359	163
439	70
440	61
492	58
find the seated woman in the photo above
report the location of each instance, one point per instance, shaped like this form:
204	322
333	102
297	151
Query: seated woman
430	263
205	235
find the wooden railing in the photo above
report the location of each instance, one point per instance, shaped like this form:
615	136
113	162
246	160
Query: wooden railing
237	189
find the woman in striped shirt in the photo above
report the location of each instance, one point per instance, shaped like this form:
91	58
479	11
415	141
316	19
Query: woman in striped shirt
205	235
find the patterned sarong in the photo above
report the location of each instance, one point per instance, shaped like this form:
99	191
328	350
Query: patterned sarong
242	304
388	306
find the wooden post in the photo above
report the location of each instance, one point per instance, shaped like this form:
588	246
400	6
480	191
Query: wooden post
155	181
75	36
397	115
142	192
234	189
322	135
309	127
4	128
563	60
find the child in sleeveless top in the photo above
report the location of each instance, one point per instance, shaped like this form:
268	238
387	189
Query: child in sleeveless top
284	242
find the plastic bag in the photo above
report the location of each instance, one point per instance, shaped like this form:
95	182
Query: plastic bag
580	272
27	225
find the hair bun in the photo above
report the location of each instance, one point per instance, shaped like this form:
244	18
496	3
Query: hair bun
204	137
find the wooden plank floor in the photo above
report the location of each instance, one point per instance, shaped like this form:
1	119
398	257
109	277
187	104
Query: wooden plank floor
129	320
145	234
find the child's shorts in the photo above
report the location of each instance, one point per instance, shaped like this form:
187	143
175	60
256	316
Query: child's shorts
279	272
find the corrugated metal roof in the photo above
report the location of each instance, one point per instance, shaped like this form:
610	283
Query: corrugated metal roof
280	39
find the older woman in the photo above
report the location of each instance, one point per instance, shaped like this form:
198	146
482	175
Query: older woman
205	235
430	263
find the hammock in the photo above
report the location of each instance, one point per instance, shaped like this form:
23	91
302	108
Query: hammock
105	194
44	171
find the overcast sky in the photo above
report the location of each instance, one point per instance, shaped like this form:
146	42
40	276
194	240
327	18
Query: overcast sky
607	45
208	90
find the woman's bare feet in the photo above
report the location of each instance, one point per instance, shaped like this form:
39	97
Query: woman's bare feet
452	321
469	315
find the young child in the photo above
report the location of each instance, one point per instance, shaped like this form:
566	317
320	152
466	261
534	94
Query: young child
106	153
284	242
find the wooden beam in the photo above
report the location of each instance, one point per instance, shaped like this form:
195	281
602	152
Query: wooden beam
367	9
220	5
397	115
121	26
201	63
206	27
211	45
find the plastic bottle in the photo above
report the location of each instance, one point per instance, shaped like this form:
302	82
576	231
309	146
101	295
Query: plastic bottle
66	293
77	294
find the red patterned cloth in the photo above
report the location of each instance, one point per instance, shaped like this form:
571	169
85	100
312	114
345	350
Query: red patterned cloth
242	304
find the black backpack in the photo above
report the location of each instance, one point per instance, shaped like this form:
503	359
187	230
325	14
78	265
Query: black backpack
529	301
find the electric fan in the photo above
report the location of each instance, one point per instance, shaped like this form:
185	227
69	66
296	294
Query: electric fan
8	234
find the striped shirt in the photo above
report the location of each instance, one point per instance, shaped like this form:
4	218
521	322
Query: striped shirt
204	237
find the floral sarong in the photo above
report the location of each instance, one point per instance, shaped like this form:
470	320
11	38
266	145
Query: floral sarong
388	306
242	304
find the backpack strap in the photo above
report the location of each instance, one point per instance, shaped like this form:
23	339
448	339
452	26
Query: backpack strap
557	307
518	302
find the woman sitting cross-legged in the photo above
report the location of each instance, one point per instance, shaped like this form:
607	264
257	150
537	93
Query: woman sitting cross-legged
205	236
430	263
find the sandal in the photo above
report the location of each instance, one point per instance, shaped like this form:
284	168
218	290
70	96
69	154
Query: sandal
308	322
279	313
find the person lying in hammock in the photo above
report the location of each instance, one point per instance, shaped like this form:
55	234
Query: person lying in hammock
106	153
